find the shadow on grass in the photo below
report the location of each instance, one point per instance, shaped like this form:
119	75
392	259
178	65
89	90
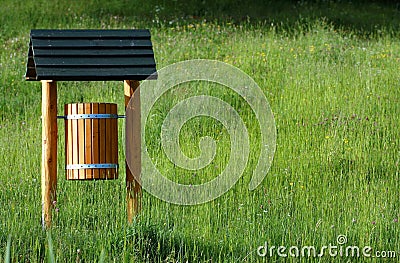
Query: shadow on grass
361	16
156	243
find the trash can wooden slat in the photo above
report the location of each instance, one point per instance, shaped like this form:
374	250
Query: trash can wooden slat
81	141
91	141
88	141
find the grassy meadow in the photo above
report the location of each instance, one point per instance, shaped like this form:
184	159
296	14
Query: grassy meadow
330	71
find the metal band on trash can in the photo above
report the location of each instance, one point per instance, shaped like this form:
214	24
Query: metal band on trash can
92	166
91	116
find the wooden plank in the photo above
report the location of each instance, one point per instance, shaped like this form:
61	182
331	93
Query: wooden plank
94	74
114	136
107	136
133	187
68	141
95	140
81	141
90	33
88	140
102	139
75	146
87	43
95	71
93	61
49	150
90	52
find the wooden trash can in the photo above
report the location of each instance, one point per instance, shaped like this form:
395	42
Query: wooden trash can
91	141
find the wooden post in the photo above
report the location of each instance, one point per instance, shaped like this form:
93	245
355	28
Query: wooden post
49	149
133	187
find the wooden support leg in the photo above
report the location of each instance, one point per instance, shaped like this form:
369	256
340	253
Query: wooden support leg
133	187
49	149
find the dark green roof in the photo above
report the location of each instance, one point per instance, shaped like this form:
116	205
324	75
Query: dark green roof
71	55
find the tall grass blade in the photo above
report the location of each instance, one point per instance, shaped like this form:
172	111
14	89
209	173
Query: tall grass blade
51	258
102	256
7	256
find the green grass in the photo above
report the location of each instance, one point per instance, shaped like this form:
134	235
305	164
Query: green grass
330	72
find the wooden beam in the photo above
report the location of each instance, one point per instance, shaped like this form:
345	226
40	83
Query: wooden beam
49	150
133	187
